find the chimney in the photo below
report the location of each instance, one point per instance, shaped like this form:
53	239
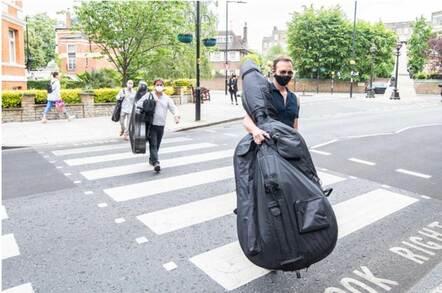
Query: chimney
244	35
68	19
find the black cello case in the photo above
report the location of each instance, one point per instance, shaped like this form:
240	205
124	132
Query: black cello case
284	219
137	126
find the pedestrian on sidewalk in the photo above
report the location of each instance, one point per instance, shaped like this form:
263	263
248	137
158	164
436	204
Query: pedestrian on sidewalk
164	103
127	96
283	104
54	98
233	88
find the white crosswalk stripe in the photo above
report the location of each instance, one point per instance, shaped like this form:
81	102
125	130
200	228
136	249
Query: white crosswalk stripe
129	155
3	214
9	246
25	288
228	266
111	147
143	167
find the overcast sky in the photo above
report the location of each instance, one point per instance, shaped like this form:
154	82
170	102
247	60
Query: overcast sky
262	15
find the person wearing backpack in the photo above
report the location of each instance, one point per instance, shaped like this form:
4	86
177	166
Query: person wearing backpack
233	88
164	103
54	98
127	96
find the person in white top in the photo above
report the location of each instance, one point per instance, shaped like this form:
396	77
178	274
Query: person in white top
126	94
164	103
53	97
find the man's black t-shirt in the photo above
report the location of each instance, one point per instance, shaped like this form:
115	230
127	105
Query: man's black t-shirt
284	113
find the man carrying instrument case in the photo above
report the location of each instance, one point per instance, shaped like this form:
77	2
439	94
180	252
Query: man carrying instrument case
284	219
152	109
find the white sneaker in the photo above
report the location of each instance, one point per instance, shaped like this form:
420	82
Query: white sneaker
71	117
44	120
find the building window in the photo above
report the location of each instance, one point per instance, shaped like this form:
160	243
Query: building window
71	57
12	55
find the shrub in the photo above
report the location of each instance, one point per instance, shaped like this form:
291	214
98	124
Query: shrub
11	99
106	95
421	75
183	82
71	96
40	95
38	84
168	90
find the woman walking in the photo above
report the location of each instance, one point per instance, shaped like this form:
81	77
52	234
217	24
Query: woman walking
127	96
54	97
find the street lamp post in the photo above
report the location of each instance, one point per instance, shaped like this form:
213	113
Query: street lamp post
395	93
370	91
353	50
332	81
28	53
226	59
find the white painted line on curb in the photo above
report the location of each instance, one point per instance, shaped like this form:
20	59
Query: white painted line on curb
324	144
320	152
385	186
120	220
102	205
228	266
416	126
77	181
425	197
352	177
25	288
88	192
170	266
67	174
3	213
9	246
141	240
59	167
408	172
370	135
356	160
231	134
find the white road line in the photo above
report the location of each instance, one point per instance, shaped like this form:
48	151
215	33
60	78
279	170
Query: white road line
88	192
3	213
170	266
320	152
138	190
370	135
416	126
120	220
102	205
356	160
101	148
141	240
231	134
385	186
25	288
171	219
175	218
143	167
9	246
403	171
228	266
425	197
324	144
129	155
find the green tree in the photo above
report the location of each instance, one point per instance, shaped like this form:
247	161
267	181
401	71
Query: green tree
255	57
41	43
418	45
131	33
321	41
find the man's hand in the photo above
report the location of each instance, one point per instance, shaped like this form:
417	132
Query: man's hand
177	119
259	135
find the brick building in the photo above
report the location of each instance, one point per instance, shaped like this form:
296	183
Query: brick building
77	53
278	37
236	49
13	49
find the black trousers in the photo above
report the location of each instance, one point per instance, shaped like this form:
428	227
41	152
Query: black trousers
233	93
155	136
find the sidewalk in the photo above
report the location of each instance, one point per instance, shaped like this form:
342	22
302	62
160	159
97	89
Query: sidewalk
35	133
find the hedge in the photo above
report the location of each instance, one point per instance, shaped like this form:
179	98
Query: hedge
105	95
168	90
43	84
12	99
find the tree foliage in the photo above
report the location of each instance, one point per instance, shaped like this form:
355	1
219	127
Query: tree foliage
435	55
41	32
140	37
321	41
418	47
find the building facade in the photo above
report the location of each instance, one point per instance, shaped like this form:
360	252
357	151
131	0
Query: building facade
403	29
236	49
13	46
278	37
77	54
436	21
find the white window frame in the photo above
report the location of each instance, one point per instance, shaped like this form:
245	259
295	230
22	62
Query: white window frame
12	46
71	57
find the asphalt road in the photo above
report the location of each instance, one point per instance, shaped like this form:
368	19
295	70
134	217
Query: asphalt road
90	217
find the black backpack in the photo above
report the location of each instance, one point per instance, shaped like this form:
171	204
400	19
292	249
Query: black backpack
149	108
49	89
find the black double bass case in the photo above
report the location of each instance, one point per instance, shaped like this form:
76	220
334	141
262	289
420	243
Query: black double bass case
284	219
137	125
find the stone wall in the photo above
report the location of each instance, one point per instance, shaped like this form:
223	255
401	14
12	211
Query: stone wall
29	111
428	86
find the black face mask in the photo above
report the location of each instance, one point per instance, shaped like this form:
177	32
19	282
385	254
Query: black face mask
283	79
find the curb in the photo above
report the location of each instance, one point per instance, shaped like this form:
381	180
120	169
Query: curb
208	124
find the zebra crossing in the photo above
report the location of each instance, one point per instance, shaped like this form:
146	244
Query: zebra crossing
226	265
